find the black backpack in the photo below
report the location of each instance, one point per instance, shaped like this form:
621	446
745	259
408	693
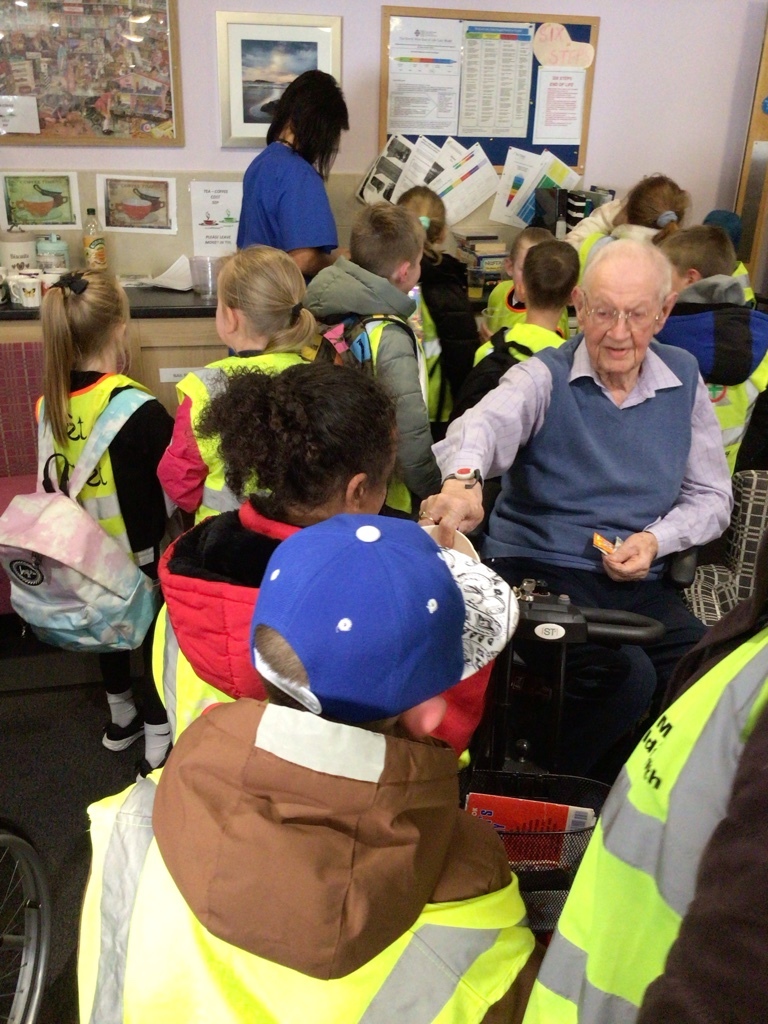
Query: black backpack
484	377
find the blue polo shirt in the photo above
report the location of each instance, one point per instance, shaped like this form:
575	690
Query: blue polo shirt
285	204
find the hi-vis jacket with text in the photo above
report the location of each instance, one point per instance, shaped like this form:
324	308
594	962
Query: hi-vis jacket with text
287	869
674	804
99	496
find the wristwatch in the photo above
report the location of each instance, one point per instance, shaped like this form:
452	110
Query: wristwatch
469	477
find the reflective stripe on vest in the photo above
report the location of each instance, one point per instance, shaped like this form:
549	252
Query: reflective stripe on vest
125	856
216	501
184	694
733	407
425	977
165	657
586	247
457	959
202	385
644	856
742	276
99	499
439	398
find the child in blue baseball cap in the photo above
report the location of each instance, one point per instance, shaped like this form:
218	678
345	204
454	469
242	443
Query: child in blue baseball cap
310	860
298	447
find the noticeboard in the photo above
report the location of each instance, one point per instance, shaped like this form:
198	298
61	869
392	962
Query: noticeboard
500	79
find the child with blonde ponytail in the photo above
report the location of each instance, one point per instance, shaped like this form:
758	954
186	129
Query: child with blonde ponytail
262	321
84	321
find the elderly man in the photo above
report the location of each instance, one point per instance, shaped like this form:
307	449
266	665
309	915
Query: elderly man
610	433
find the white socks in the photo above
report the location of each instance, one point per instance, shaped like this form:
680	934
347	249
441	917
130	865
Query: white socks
157	740
122	708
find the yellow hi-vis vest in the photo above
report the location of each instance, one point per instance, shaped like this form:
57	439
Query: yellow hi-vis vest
398	495
503	316
199	386
99	496
742	276
638	875
143	956
734	406
586	248
533	337
184	694
439	398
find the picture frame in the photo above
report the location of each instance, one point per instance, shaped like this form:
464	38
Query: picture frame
258	56
135	204
104	74
39	200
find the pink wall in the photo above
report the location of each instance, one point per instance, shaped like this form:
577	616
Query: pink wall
674	83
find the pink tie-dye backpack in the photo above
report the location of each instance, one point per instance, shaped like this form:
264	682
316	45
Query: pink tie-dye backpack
70	580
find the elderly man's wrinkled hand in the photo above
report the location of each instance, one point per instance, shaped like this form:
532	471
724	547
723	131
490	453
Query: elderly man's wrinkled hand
457	507
632	559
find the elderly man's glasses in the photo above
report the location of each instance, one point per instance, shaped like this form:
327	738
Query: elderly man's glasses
636	319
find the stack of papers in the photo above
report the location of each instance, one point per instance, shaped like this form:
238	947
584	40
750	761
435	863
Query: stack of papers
465	178
523	173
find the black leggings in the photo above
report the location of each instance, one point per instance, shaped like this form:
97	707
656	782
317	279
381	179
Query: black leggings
115	669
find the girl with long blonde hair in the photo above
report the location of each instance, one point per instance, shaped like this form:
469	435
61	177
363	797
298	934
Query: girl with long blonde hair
84	323
262	320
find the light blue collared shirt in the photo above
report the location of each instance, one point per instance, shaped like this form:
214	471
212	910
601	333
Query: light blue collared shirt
488	437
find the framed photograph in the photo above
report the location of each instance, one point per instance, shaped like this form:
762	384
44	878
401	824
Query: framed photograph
90	74
136	204
40	200
259	55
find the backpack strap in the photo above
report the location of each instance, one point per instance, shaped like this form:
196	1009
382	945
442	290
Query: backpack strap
118	411
385	318
500	344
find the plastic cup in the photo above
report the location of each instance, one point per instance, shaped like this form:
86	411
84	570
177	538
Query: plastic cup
205	271
490	320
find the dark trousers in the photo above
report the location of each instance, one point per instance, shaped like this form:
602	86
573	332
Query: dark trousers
608	689
116	672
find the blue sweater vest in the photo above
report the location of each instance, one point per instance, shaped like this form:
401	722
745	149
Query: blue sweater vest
594	466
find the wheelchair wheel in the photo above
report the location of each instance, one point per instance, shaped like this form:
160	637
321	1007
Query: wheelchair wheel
25	928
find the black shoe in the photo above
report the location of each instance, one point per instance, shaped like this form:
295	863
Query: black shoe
120	737
143	767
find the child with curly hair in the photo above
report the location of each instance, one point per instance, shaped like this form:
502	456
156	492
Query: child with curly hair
298	433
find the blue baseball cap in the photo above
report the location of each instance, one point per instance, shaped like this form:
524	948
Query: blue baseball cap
372	607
